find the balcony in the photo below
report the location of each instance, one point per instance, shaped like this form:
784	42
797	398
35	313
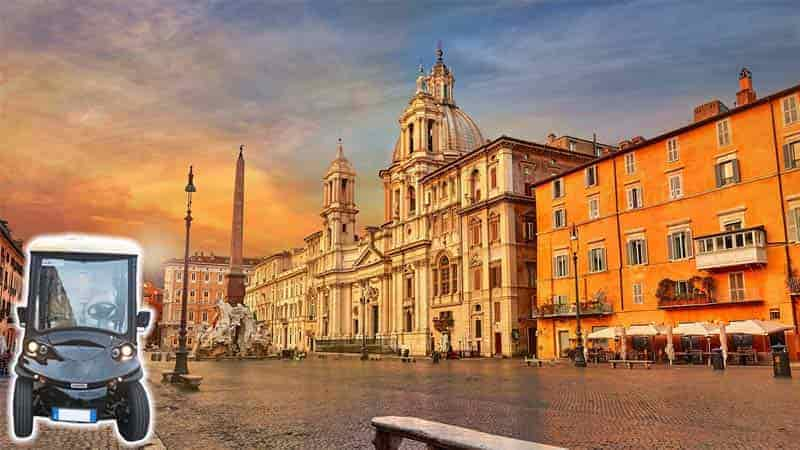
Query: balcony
700	299
731	249
568	309
794	285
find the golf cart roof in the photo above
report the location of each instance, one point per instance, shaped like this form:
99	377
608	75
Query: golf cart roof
82	243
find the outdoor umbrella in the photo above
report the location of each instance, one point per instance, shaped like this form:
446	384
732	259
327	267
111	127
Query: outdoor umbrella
605	333
756	327
696	329
642	330
723	343
670	349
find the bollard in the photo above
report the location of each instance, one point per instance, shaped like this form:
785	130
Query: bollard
780	362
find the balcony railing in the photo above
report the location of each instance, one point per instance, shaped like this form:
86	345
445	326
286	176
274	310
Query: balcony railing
721	298
568	309
731	248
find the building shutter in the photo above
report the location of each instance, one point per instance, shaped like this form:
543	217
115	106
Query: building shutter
718	174
689	243
788	158
671	246
736	175
644	251
629	247
794	224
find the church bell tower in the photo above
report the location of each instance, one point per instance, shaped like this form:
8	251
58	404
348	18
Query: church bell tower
338	202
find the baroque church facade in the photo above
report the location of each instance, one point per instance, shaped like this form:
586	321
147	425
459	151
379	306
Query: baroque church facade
453	265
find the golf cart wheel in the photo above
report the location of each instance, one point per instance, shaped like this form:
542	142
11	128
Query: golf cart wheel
133	424
23	407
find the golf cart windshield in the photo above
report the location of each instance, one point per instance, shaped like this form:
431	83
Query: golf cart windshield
83	292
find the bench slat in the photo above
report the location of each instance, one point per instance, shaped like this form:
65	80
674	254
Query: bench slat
450	436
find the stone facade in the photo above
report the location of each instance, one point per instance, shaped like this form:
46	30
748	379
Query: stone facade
452	264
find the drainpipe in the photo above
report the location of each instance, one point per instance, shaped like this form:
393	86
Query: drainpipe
619	236
783	214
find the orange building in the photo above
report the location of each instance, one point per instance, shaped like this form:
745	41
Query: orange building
12	262
698	224
153	298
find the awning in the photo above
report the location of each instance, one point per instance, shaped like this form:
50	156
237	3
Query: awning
605	333
643	330
756	327
696	329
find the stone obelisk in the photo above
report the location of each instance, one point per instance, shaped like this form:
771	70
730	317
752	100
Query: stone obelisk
235	277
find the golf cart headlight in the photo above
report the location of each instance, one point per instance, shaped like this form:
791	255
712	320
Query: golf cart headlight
42	350
127	351
123	353
32	347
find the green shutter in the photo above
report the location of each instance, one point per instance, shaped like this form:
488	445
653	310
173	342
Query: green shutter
736	176
794	224
718	174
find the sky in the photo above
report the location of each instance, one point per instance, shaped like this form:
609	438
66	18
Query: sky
104	105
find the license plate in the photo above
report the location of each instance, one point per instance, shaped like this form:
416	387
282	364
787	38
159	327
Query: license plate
74	415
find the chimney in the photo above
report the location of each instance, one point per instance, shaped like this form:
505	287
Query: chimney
637	140
551	137
623	144
710	109
746	93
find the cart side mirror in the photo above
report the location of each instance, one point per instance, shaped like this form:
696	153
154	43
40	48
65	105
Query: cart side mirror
22	315
142	320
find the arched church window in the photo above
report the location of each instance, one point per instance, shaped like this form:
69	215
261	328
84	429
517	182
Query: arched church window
430	135
474	185
410	138
444	275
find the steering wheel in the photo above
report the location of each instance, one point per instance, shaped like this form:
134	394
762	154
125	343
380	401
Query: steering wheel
102	310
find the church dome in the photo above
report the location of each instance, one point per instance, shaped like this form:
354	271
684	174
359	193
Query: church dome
461	133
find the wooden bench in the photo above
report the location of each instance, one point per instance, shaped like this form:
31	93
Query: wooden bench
390	432
530	361
629	363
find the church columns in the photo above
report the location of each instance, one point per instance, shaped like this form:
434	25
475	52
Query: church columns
385	312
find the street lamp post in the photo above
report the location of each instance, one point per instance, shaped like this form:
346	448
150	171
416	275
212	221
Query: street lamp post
181	367
580	359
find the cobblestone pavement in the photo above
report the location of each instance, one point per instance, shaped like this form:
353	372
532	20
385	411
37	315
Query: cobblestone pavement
329	403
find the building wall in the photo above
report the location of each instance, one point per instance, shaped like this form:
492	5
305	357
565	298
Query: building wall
703	209
12	262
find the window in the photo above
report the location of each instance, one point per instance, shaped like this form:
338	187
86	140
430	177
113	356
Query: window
736	284
727	172
794	224
558	188
530	228
679	245
672	150
560	218
774	314
194	276
191	316
410	284
635	197
681	288
638	294
496	312
219	278
495	276
206	277
475	232
178	275
560	266
478	331
791	155
630	163
590	175
191	295
474	181
477	273
444	275
790	114
675	186
493	177
205	296
637	251
597	260
733	225
594	208
723	133
412	200
205	316
531	267
494	228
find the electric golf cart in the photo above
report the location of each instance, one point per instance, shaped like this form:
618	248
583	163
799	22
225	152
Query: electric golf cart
79	360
